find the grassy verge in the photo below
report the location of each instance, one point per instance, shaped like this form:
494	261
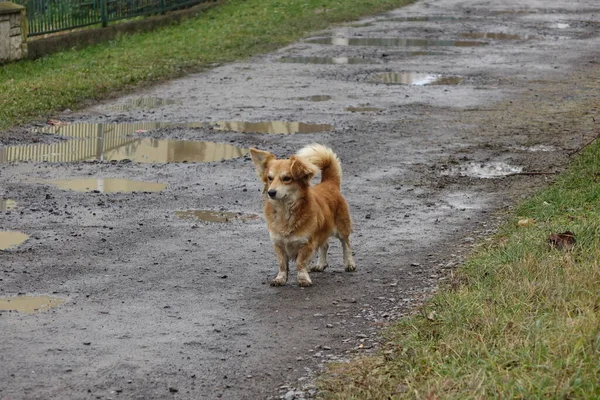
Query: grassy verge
520	320
236	29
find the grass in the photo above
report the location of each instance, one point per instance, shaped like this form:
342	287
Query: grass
236	29
520	320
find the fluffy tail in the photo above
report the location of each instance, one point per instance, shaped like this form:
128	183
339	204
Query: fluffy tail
327	161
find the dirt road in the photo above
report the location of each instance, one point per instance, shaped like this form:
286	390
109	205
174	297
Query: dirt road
439	112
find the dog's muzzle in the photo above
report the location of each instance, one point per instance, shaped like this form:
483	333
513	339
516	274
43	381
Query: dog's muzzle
272	193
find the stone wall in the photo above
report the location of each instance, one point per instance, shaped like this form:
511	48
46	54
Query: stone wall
13	32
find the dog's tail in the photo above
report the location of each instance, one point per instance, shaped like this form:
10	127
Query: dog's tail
327	161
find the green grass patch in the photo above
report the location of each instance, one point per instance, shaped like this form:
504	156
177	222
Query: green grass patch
233	30
520	320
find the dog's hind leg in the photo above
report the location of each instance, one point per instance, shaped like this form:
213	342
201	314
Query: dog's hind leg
344	228
284	267
322	264
347	251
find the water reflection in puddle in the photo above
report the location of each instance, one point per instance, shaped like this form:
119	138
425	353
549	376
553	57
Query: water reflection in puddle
491	35
319	97
29	304
327	60
215	216
421	18
415	78
108	185
363	109
7	204
115	148
111	142
143	103
561	25
272	127
483	170
342	41
10	239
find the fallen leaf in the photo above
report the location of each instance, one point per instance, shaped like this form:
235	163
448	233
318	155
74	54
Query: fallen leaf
526	222
562	241
56	122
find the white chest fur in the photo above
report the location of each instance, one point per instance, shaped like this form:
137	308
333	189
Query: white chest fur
290	243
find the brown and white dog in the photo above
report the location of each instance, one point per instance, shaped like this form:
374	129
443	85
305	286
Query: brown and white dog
301	217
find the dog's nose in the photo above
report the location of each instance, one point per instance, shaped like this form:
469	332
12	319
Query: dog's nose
272	193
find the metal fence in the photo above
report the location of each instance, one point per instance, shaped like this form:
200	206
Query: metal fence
48	16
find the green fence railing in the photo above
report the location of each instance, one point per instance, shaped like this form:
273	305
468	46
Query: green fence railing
48	16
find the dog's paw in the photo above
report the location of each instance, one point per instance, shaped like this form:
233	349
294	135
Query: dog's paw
318	267
279	281
350	267
304	279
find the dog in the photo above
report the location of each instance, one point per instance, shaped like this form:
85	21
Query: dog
301	217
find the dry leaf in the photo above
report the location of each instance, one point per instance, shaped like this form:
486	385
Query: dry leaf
526	222
562	241
56	122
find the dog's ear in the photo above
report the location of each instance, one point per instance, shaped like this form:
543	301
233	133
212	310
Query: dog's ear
261	161
301	169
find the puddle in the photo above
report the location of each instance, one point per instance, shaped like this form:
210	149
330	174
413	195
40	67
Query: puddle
7	204
106	131
363	109
327	60
421	18
143	103
272	127
482	170
29	304
491	35
319	97
561	26
415	78
108	185
114	147
383	42
215	216
538	148
10	239
116	132
114	142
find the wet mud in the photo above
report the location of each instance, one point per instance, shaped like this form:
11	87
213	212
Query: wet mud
165	303
215	216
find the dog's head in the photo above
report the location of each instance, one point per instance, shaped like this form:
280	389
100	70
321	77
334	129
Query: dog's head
285	178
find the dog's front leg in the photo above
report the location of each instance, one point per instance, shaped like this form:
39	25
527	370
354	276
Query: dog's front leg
305	255
284	266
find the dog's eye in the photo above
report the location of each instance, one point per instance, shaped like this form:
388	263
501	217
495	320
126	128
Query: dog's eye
270	178
286	179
